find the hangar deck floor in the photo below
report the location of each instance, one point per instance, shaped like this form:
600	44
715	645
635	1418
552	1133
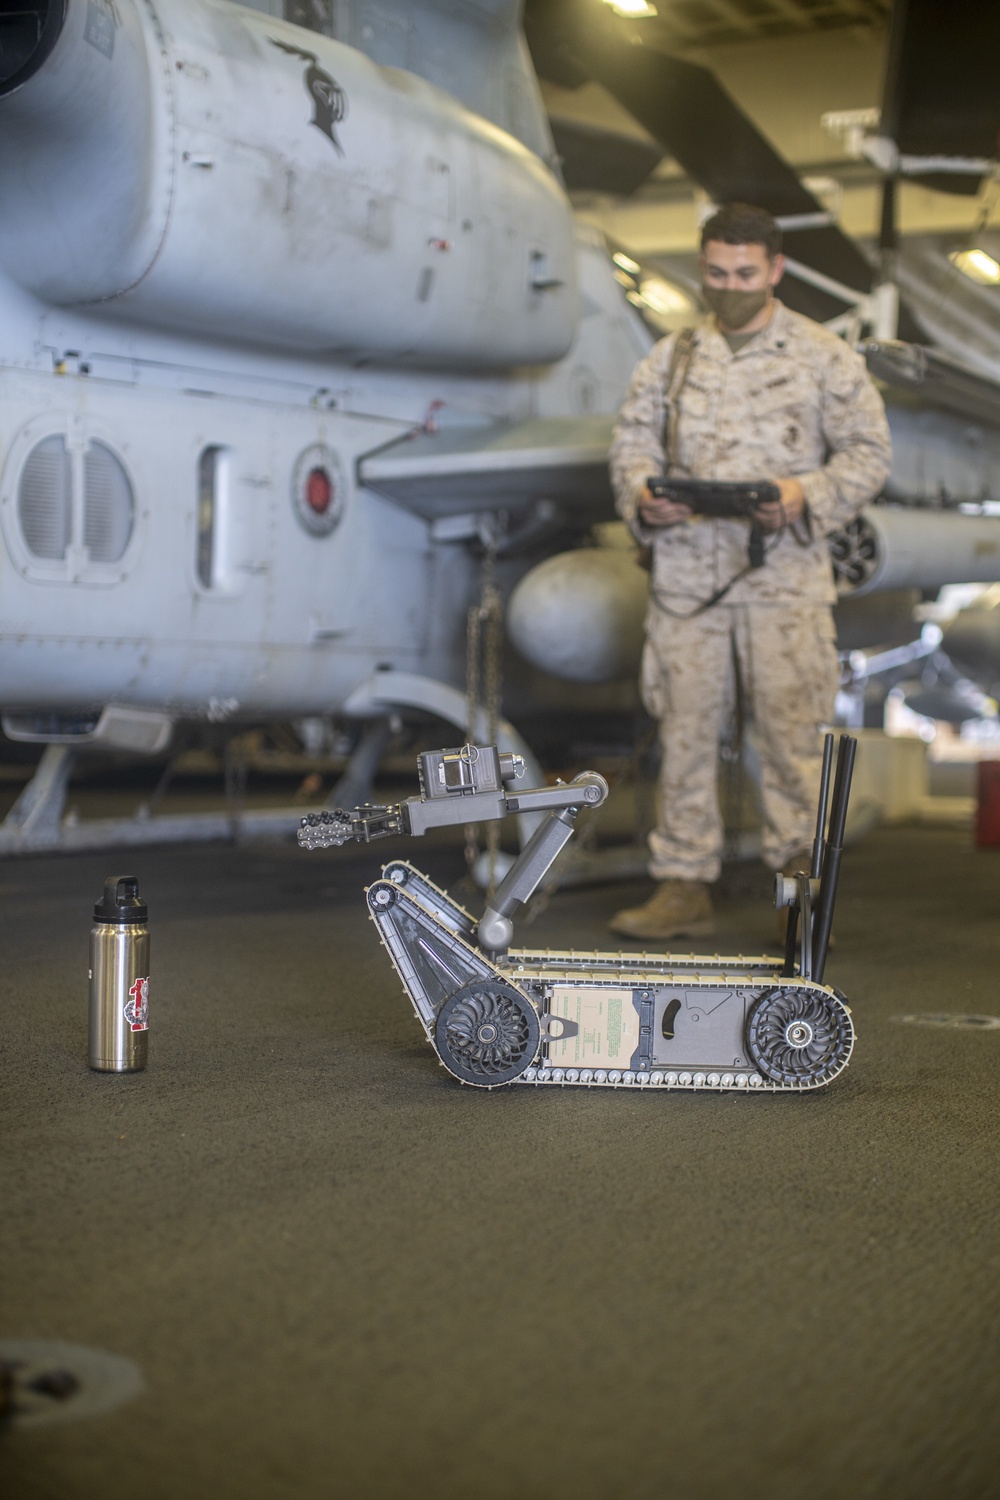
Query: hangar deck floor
344	1276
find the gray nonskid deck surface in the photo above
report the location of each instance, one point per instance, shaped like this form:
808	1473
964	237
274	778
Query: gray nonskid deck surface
345	1276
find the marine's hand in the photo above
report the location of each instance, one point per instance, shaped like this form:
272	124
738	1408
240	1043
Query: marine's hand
787	510
657	510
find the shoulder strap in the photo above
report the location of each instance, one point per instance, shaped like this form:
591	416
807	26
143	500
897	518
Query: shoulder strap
680	359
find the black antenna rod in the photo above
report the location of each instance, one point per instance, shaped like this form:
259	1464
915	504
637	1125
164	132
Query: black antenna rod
819	842
834	849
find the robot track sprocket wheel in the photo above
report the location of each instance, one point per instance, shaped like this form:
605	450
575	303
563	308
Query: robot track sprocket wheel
799	1036
486	1033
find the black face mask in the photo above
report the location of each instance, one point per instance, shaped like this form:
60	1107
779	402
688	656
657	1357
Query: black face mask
735	309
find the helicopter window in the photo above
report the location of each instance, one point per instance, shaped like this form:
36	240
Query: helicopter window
108	505
45	499
210	471
228	517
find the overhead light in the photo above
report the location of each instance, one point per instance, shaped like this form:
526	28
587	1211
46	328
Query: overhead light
662	297
626	262
977	265
634	9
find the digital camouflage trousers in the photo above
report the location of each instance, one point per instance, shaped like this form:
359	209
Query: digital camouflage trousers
786	663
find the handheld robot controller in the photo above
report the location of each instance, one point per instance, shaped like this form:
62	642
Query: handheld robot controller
497	1015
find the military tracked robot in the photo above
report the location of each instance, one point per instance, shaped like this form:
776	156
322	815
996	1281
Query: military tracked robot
498	1015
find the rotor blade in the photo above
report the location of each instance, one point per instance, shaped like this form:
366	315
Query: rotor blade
686	109
941	96
597	160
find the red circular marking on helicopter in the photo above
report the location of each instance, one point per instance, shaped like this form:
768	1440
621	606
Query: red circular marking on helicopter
319	491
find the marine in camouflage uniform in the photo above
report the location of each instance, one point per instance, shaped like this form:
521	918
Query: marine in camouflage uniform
795	400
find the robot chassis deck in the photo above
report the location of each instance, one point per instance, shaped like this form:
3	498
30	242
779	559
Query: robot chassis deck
497	1015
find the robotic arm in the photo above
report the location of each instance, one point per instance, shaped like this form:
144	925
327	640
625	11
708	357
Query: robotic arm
467	785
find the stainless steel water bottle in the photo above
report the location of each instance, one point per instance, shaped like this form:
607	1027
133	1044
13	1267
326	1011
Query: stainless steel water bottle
119	978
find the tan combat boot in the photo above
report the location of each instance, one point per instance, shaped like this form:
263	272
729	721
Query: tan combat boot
677	908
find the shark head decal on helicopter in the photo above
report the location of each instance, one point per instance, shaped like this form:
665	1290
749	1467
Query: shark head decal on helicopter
329	99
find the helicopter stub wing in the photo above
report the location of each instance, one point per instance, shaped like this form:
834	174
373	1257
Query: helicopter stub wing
505	466
936	379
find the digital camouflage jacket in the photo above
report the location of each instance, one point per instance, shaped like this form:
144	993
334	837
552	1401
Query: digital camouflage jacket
795	401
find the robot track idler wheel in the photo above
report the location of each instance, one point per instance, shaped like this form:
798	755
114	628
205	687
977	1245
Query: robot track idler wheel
796	1036
486	1033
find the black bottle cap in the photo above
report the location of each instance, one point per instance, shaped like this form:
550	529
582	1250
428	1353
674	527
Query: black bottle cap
120	902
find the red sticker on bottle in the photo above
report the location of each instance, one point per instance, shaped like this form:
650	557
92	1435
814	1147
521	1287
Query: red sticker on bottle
137	1009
